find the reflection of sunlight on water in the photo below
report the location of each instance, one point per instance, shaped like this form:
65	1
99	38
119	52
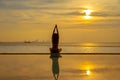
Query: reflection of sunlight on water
91	67
87	68
88	72
89	44
87	65
88	49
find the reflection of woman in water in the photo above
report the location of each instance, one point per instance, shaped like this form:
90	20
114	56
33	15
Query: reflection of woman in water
55	68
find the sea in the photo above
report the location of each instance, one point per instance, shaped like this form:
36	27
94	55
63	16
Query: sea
67	67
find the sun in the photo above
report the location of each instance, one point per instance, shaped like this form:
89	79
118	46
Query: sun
88	12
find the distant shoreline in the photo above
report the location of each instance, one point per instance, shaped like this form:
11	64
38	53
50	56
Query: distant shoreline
84	44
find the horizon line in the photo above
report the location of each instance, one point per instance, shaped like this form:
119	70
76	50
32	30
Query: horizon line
60	53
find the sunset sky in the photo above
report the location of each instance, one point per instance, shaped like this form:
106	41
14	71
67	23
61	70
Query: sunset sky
22	20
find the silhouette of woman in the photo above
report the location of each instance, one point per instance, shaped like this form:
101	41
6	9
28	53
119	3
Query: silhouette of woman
55	42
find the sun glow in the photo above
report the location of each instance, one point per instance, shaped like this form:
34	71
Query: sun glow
87	17
89	44
87	14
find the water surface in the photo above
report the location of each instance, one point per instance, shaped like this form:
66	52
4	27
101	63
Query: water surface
75	67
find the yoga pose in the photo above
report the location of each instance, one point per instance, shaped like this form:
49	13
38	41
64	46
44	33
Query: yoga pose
55	42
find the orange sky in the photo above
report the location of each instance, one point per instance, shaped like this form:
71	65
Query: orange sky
30	20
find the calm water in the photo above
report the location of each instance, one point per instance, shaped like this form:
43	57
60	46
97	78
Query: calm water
69	67
66	48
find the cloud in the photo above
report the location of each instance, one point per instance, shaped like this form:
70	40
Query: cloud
118	1
105	14
27	4
51	5
99	14
52	1
13	4
72	13
78	13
